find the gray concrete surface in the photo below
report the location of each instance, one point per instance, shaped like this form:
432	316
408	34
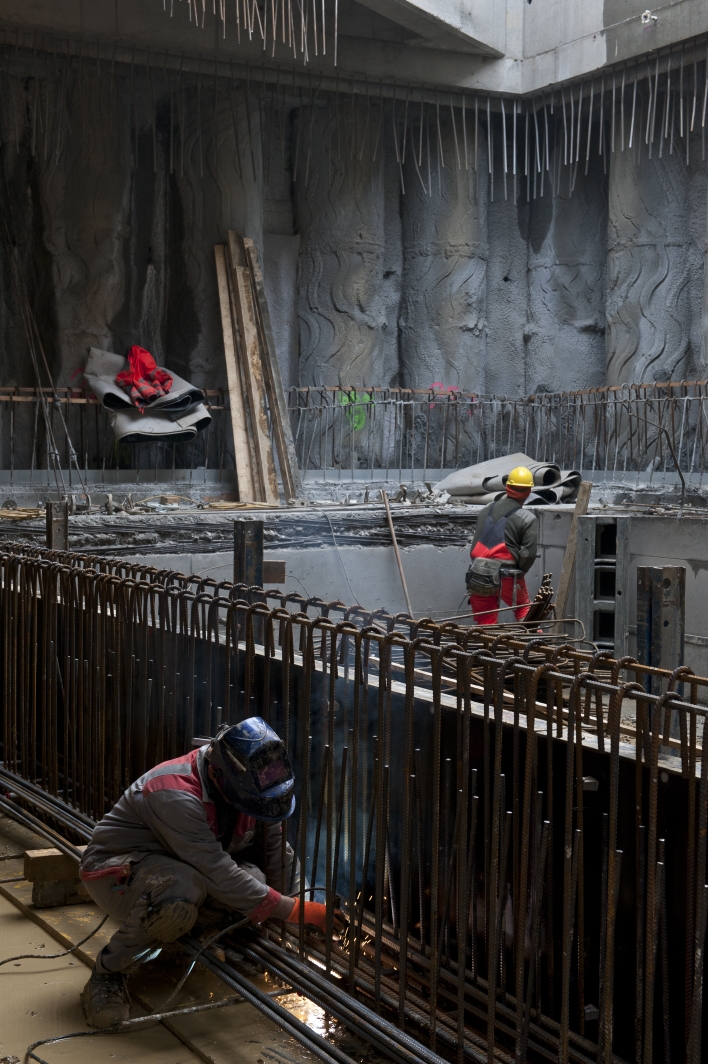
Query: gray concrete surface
505	45
120	192
344	553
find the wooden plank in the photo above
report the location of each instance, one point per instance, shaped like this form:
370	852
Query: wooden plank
397	552
581	508
253	372
242	449
257	490
280	419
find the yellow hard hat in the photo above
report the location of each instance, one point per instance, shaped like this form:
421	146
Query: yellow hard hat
521	477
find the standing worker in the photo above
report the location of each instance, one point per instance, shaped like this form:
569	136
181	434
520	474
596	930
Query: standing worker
505	533
207	824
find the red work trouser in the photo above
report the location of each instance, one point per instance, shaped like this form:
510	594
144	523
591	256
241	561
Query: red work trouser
485	607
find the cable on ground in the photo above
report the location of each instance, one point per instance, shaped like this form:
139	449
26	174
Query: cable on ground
50	956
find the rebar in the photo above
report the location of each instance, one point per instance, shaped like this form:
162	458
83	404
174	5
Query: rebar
415	852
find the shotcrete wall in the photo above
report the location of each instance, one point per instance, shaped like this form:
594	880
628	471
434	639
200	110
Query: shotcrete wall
395	252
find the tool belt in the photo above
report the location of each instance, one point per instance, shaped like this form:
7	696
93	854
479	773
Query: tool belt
484	576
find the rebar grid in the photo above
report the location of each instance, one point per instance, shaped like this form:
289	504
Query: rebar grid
636	434
423	807
640	434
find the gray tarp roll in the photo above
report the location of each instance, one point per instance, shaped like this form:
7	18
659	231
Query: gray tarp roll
175	417
131	426
102	367
484	483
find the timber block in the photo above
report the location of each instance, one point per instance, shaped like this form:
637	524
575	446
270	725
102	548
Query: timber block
55	892
43	865
55	879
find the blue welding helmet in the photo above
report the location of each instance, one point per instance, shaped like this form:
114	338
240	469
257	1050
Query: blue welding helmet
252	769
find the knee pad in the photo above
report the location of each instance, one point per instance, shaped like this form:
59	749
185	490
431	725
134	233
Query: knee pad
169	919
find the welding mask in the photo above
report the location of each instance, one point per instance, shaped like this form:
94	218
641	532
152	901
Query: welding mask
253	770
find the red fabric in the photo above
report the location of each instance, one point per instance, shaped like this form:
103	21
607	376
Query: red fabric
143	379
121	872
244	824
518	494
315	914
264	908
481	603
160	778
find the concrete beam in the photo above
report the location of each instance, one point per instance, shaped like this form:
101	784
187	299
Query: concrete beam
472	45
469	26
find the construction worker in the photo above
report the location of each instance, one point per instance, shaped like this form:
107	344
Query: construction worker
505	533
207	824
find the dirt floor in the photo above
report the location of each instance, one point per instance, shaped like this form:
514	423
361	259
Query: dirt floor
40	998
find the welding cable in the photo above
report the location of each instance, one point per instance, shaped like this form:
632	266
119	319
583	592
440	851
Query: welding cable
341	560
50	956
209	942
128	1025
190	967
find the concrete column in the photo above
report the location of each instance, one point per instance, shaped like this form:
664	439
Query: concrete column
85	189
131	244
704	317
219	188
697	261
444	297
567	259
648	307
339	200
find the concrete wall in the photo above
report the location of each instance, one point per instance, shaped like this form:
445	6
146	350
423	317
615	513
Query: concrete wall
436	575
398	245
379	269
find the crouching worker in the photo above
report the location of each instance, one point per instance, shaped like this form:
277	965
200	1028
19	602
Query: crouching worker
205	825
506	537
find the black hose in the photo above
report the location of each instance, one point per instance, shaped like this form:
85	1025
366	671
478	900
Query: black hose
20	784
332	1003
34	824
390	1039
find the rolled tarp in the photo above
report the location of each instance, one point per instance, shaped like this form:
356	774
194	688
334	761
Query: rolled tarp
485	482
130	426
174	418
102	368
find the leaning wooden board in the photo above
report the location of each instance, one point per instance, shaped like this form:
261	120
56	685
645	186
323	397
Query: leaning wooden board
566	577
280	419
242	450
253	371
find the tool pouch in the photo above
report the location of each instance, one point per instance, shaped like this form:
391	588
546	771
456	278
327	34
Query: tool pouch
484	576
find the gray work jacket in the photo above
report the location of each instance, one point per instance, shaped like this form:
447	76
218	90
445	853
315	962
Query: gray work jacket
169	810
520	530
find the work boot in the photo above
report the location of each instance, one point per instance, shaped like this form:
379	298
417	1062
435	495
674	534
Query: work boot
105	1000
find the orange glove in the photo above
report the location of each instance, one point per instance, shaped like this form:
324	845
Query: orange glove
316	916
